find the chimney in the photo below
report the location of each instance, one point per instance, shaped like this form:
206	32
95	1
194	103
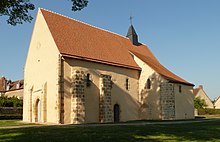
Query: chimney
200	86
3	83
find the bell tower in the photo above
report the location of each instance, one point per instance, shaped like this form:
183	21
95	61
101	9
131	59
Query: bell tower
132	35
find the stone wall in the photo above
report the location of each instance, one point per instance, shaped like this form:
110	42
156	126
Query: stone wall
167	100
78	97
105	112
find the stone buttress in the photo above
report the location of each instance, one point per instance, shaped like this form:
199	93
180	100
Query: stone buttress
78	97
105	104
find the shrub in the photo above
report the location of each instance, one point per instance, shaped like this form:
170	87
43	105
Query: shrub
199	103
209	111
10	102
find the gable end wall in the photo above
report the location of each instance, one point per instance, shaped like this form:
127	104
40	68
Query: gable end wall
41	73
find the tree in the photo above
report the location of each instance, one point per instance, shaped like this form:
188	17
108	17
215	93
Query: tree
199	103
10	101
79	4
17	11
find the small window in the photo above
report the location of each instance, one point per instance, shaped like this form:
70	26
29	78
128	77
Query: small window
127	84
148	83
180	88
88	83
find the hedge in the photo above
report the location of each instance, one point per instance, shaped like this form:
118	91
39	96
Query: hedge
208	111
10	116
7	113
10	102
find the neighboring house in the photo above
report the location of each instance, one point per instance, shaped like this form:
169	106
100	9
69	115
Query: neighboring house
217	103
11	88
78	73
199	92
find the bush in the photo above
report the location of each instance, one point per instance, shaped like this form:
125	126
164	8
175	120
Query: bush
209	111
10	102
199	103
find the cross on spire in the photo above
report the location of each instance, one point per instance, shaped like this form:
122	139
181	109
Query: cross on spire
131	19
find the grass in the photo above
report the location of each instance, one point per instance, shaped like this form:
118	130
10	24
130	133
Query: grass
199	131
10	123
4	123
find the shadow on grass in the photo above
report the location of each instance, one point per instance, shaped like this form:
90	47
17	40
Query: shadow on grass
205	131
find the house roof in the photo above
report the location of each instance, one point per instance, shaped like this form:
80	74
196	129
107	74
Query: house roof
16	85
82	41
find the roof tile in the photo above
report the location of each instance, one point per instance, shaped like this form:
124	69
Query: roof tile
82	41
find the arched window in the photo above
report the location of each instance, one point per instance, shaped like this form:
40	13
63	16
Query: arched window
148	83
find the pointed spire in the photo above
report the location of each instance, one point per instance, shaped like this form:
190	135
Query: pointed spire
132	35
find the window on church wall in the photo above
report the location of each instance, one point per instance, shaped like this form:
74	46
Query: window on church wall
148	85
127	84
180	88
88	81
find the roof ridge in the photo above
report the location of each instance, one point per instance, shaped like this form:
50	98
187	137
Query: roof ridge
86	24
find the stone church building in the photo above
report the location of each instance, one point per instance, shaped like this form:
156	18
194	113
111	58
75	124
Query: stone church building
77	73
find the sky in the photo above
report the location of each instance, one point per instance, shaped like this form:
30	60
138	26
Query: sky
183	34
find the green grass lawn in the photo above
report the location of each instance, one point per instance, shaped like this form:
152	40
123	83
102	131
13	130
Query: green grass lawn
4	123
199	131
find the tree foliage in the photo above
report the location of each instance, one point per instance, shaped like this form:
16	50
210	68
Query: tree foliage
17	11
79	4
199	103
10	102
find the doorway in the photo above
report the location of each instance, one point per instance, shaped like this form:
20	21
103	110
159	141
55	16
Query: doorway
38	111
116	113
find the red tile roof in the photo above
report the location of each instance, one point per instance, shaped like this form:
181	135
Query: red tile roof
155	65
13	85
82	41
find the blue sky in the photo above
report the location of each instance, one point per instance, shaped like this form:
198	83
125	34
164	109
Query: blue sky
183	35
